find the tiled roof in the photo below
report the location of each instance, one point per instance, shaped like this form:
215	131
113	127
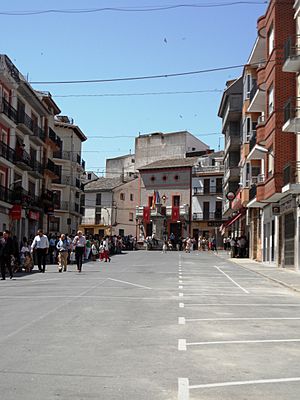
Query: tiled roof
102	184
171	163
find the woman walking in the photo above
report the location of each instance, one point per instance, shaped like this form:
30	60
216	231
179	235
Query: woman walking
79	243
63	247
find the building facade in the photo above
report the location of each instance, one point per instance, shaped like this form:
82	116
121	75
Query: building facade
207	197
164	205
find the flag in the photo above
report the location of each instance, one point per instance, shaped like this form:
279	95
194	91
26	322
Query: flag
175	213
146	214
157	200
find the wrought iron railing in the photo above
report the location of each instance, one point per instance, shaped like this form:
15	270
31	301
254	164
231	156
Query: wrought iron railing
206	216
208	190
9	110
7	152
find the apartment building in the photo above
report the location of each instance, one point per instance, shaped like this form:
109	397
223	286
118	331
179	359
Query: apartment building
230	111
120	166
26	167
110	207
68	187
207	196
289	204
272	152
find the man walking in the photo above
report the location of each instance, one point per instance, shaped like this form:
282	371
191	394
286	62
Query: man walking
6	251
41	245
79	243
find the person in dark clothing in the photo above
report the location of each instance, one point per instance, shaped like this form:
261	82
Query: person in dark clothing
6	251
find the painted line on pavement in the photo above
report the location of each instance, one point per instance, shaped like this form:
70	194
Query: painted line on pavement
180	287
129	283
237	342
180	281
240	304
180	294
181	344
236	294
183	389
181	305
240	383
243	319
181	321
233	281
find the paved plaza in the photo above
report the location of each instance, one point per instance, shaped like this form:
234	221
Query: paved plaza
150	326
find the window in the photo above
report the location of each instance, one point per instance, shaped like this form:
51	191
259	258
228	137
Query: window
98	199
121	232
247	86
122	196
130	216
54	224
131	196
270	40
270	100
98	219
31	187
89	176
176	201
270	162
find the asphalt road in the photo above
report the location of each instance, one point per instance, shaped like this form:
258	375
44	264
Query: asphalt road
149	326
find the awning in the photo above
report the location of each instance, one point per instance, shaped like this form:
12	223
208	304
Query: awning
232	221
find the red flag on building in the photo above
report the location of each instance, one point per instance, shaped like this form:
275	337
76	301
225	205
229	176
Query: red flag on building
175	213
146	214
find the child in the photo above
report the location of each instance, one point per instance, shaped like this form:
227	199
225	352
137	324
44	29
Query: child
28	263
165	247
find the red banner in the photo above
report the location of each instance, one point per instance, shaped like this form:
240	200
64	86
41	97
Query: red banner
175	213
34	215
146	214
16	212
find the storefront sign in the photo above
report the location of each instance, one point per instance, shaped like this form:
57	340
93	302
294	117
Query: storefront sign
16	212
215	224
287	204
34	215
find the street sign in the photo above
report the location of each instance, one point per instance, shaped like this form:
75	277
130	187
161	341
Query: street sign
230	196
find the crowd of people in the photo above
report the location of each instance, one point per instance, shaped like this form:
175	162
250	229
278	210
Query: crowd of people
57	249
238	247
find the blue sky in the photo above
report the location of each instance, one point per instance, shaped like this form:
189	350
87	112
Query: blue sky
104	45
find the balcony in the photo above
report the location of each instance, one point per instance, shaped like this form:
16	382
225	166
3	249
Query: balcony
65	155
7	152
6	194
207	169
23	159
30	127
257	99
164	211
252	142
232	174
234	109
47	196
291	178
9	111
292	54
208	216
211	190
252	192
52	169
233	142
26	199
54	139
37	169
291	118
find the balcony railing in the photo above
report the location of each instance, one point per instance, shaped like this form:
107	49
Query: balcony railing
21	156
50	166
252	192
54	138
24	119
37	166
65	155
207	216
252	141
7	152
9	110
207	190
291	173
208	168
6	194
253	91
22	196
291	48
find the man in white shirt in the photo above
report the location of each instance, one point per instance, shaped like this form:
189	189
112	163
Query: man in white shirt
41	245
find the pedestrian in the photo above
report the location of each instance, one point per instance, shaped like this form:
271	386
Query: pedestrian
106	250
51	248
88	246
165	247
6	252
79	245
63	247
40	244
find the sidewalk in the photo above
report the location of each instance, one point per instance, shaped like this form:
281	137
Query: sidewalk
285	277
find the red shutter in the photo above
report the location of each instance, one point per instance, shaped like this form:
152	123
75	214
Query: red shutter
146	214
175	213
